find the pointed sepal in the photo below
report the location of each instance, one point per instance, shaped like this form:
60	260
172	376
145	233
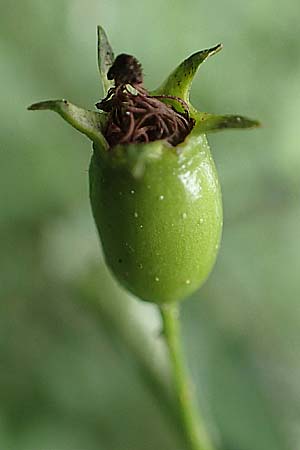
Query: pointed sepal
87	122
179	82
206	122
105	59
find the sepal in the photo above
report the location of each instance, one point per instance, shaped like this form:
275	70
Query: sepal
206	122
179	82
105	59
87	122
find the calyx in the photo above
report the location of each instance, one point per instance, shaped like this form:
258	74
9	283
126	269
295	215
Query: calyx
130	114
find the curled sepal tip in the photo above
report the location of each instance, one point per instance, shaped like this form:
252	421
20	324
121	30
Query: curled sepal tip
180	80
206	122
105	58
89	123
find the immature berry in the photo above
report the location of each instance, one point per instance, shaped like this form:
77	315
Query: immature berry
154	188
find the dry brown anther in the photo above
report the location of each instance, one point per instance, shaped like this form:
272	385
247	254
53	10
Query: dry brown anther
134	115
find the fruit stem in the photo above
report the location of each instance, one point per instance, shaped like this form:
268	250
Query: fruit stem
192	423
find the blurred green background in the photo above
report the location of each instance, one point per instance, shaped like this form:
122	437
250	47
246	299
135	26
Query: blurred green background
73	344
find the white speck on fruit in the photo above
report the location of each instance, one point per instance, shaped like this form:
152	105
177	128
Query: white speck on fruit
157	279
184	215
187	281
201	220
161	197
141	226
136	214
132	191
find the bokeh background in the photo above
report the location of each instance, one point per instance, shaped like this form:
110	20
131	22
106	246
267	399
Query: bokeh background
74	347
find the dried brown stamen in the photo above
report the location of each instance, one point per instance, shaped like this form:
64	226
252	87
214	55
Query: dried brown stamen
134	115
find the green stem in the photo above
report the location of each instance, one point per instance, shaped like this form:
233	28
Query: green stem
192	423
116	315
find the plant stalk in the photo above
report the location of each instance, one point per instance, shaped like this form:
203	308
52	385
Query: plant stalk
192	423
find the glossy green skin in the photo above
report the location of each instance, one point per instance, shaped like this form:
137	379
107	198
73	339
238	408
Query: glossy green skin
159	217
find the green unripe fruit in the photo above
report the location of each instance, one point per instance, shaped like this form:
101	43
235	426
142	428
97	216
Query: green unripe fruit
157	205
160	230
